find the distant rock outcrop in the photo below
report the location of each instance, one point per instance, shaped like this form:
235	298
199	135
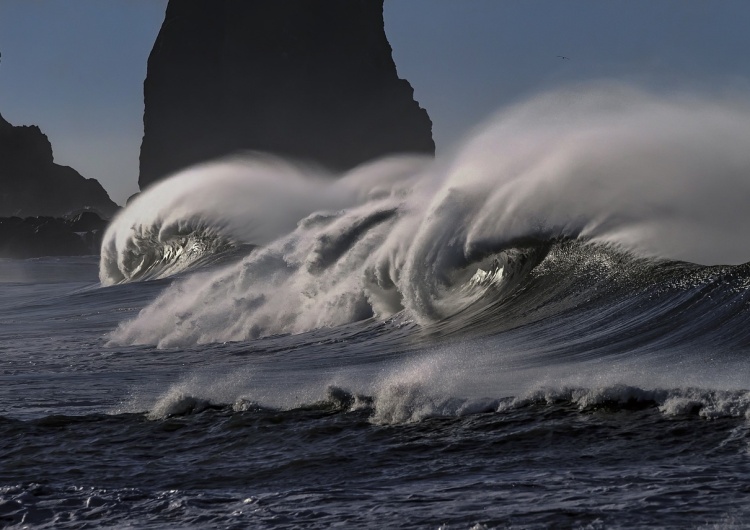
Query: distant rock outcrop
33	237
32	184
310	79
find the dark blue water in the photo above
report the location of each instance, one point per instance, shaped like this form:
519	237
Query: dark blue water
502	337
584	402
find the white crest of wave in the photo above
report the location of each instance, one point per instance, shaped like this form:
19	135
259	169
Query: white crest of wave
250	199
661	175
461	379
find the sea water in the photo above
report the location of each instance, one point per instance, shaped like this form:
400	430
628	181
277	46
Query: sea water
546	328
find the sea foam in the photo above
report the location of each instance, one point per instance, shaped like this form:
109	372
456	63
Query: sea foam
662	176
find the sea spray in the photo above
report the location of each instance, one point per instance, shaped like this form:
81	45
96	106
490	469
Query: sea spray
660	176
250	198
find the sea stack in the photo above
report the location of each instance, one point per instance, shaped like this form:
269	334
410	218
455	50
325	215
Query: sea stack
31	184
313	80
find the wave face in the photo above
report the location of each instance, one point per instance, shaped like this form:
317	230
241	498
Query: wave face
598	193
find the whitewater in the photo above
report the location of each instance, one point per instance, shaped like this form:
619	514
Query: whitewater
546	326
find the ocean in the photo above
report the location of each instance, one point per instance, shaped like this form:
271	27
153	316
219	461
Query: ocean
545	328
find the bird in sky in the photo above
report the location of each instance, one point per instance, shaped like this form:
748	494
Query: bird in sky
563	57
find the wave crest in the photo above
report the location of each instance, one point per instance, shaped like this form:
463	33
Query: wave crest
615	168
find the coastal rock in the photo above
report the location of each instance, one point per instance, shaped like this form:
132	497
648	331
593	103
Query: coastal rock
31	184
308	79
33	237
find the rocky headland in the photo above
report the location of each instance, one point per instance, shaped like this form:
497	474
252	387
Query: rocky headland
308	79
46	209
32	184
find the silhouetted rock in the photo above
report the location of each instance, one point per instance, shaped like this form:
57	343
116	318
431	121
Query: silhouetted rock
51	236
87	222
310	79
32	184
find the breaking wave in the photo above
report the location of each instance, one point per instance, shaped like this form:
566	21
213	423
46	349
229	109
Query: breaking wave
410	403
576	196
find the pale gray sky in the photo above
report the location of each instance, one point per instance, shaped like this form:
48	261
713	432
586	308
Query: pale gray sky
76	68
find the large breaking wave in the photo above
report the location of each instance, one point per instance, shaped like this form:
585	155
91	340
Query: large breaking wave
573	193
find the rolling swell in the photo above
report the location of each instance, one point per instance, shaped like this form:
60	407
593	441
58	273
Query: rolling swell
597	299
585	203
533	332
236	467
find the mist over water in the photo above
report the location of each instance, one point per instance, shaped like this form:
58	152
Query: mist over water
657	176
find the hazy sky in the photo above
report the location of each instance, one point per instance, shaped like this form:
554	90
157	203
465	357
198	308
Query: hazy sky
76	68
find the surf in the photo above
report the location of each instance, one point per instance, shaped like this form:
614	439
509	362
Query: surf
624	174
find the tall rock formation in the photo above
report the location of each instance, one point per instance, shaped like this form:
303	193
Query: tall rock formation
310	79
32	184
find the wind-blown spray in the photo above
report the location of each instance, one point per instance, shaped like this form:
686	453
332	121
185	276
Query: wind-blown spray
653	176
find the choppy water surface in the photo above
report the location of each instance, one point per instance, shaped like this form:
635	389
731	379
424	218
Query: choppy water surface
375	423
538	331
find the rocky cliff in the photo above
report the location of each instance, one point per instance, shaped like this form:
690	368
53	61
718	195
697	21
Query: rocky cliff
310	79
32	184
